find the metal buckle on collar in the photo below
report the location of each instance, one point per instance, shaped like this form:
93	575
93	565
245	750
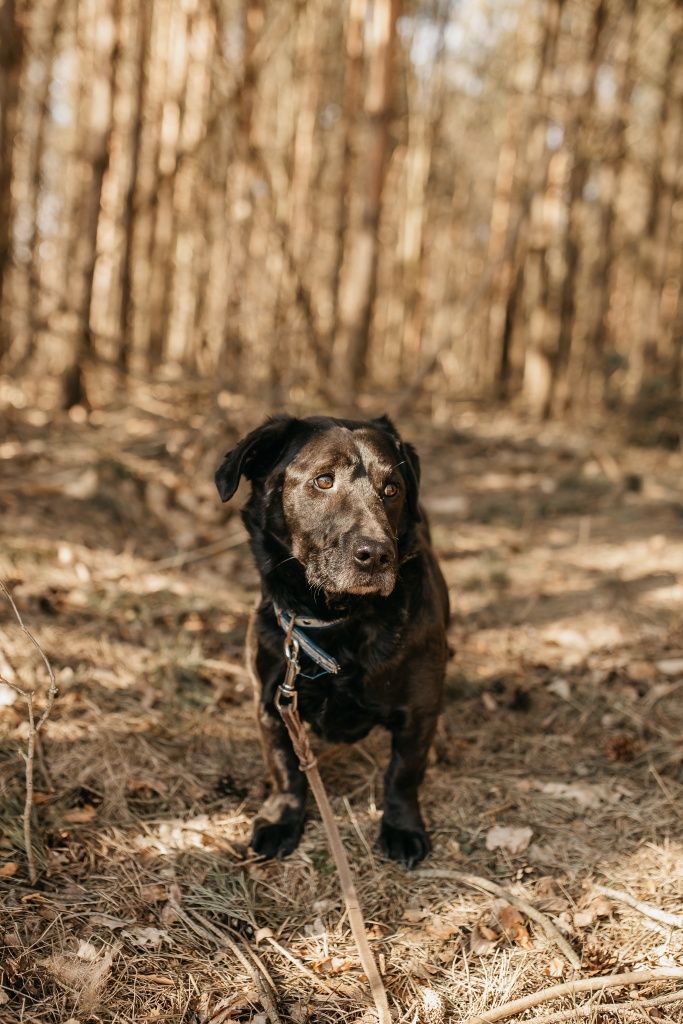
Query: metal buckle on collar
289	622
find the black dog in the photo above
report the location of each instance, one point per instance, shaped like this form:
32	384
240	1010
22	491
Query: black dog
341	543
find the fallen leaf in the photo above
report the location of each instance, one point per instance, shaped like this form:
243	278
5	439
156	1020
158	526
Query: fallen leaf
586	916
107	921
84	973
440	929
147	937
9	869
480	943
670	666
413	915
156	979
80	815
601	907
261	934
514	840
583	918
581	793
83	486
489	702
42	797
146	787
513	925
561	688
641	671
340	965
544	855
557	968
86	951
155	892
8	696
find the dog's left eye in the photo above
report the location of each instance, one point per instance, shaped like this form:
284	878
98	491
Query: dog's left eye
324	482
391	490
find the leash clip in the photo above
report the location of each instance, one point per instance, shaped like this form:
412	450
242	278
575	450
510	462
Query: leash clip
287	696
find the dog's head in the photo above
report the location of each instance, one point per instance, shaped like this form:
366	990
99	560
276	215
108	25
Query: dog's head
339	495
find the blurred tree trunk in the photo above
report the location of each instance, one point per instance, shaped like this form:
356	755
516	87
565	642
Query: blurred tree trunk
578	147
97	141
238	193
353	80
664	230
165	236
425	119
601	341
48	42
11	54
509	209
142	27
361	263
535	308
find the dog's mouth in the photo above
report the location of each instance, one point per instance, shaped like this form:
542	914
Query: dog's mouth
346	581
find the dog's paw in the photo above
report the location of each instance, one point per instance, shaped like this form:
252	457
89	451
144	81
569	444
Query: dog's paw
276	840
406	845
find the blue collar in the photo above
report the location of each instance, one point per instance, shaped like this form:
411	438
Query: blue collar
292	624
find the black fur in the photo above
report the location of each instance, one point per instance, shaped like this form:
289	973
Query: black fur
308	546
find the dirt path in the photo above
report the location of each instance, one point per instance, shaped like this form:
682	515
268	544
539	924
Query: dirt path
564	555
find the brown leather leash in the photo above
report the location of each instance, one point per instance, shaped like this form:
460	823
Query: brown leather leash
286	701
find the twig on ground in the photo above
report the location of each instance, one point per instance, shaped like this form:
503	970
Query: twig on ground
260	977
589	1008
33	730
300	966
475	882
646	909
217	547
572	988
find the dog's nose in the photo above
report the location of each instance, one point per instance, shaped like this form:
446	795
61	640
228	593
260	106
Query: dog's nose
370	554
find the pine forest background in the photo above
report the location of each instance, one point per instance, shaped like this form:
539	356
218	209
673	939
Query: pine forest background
476	199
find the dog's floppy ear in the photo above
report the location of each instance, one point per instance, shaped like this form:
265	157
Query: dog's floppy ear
411	472
254	455
409	464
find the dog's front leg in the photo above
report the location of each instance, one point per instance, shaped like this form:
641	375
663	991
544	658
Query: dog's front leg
279	824
403	836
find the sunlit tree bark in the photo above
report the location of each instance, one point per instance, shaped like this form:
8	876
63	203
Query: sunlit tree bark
361	262
11	51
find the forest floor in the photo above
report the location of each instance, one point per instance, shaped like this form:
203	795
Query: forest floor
558	766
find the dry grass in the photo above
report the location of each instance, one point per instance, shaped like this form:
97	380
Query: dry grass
567	580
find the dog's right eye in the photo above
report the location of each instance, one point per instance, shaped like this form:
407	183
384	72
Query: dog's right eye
324	482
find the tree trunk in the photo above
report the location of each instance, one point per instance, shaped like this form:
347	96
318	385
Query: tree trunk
125	318
11	54
353	76
577	145
98	141
601	339
361	270
537	378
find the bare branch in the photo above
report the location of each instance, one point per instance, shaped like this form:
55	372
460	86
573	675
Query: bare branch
33	730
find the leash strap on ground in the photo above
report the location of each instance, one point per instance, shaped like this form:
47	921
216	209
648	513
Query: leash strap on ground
286	703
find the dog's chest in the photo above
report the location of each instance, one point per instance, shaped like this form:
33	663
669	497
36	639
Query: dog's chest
340	710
